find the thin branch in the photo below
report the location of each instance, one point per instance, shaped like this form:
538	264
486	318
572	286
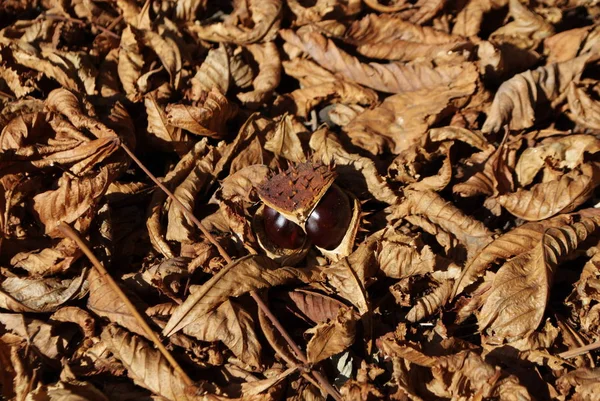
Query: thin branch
83	23
73	235
264	308
579	350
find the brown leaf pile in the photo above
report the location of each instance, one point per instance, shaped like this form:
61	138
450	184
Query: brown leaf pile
468	132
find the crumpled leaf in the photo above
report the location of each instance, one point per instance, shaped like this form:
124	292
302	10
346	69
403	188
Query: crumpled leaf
238	277
265	17
48	261
495	177
389	37
130	64
431	302
285	142
359	173
320	9
565	45
45	295
72	391
313	305
175	177
233	325
213	72
348	277
146	366
73	201
469	19
166	48
471	233
105	302
583	380
549	198
472	373
402	119
180	227
520	290
401	256
514	242
560	152
526	30
390	78
268	77
516	101
331	338
208	119
72	70
159	126
37	333
585	110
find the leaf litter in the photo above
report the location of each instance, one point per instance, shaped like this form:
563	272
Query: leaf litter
378	200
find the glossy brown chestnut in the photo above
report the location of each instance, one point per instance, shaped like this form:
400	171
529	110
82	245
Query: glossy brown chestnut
329	221
281	231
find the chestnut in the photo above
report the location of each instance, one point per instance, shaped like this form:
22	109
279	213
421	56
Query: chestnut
281	231
329	221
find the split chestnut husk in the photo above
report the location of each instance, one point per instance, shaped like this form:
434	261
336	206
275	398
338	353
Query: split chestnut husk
305	197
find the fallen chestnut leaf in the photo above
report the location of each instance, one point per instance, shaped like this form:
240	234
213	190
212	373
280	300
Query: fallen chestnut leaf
289	200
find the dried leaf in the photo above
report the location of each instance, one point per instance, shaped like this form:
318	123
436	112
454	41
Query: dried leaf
45	295
358	173
48	261
130	64
549	198
517	300
402	256
268	77
431	302
390	78
265	17
78	316
585	110
180	227
402	119
239	277
73	201
348	277
469	19
209	119
313	305
285	142
72	391
159	126
213	72
164	45
516	101
105	302
471	233
331	338
559	152
232	325
41	335
389	37
146	366
564	46
526	30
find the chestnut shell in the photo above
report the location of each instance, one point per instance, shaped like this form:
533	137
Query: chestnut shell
329	221
282	232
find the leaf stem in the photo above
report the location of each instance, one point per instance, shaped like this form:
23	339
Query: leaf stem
579	350
73	235
83	23
264	308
